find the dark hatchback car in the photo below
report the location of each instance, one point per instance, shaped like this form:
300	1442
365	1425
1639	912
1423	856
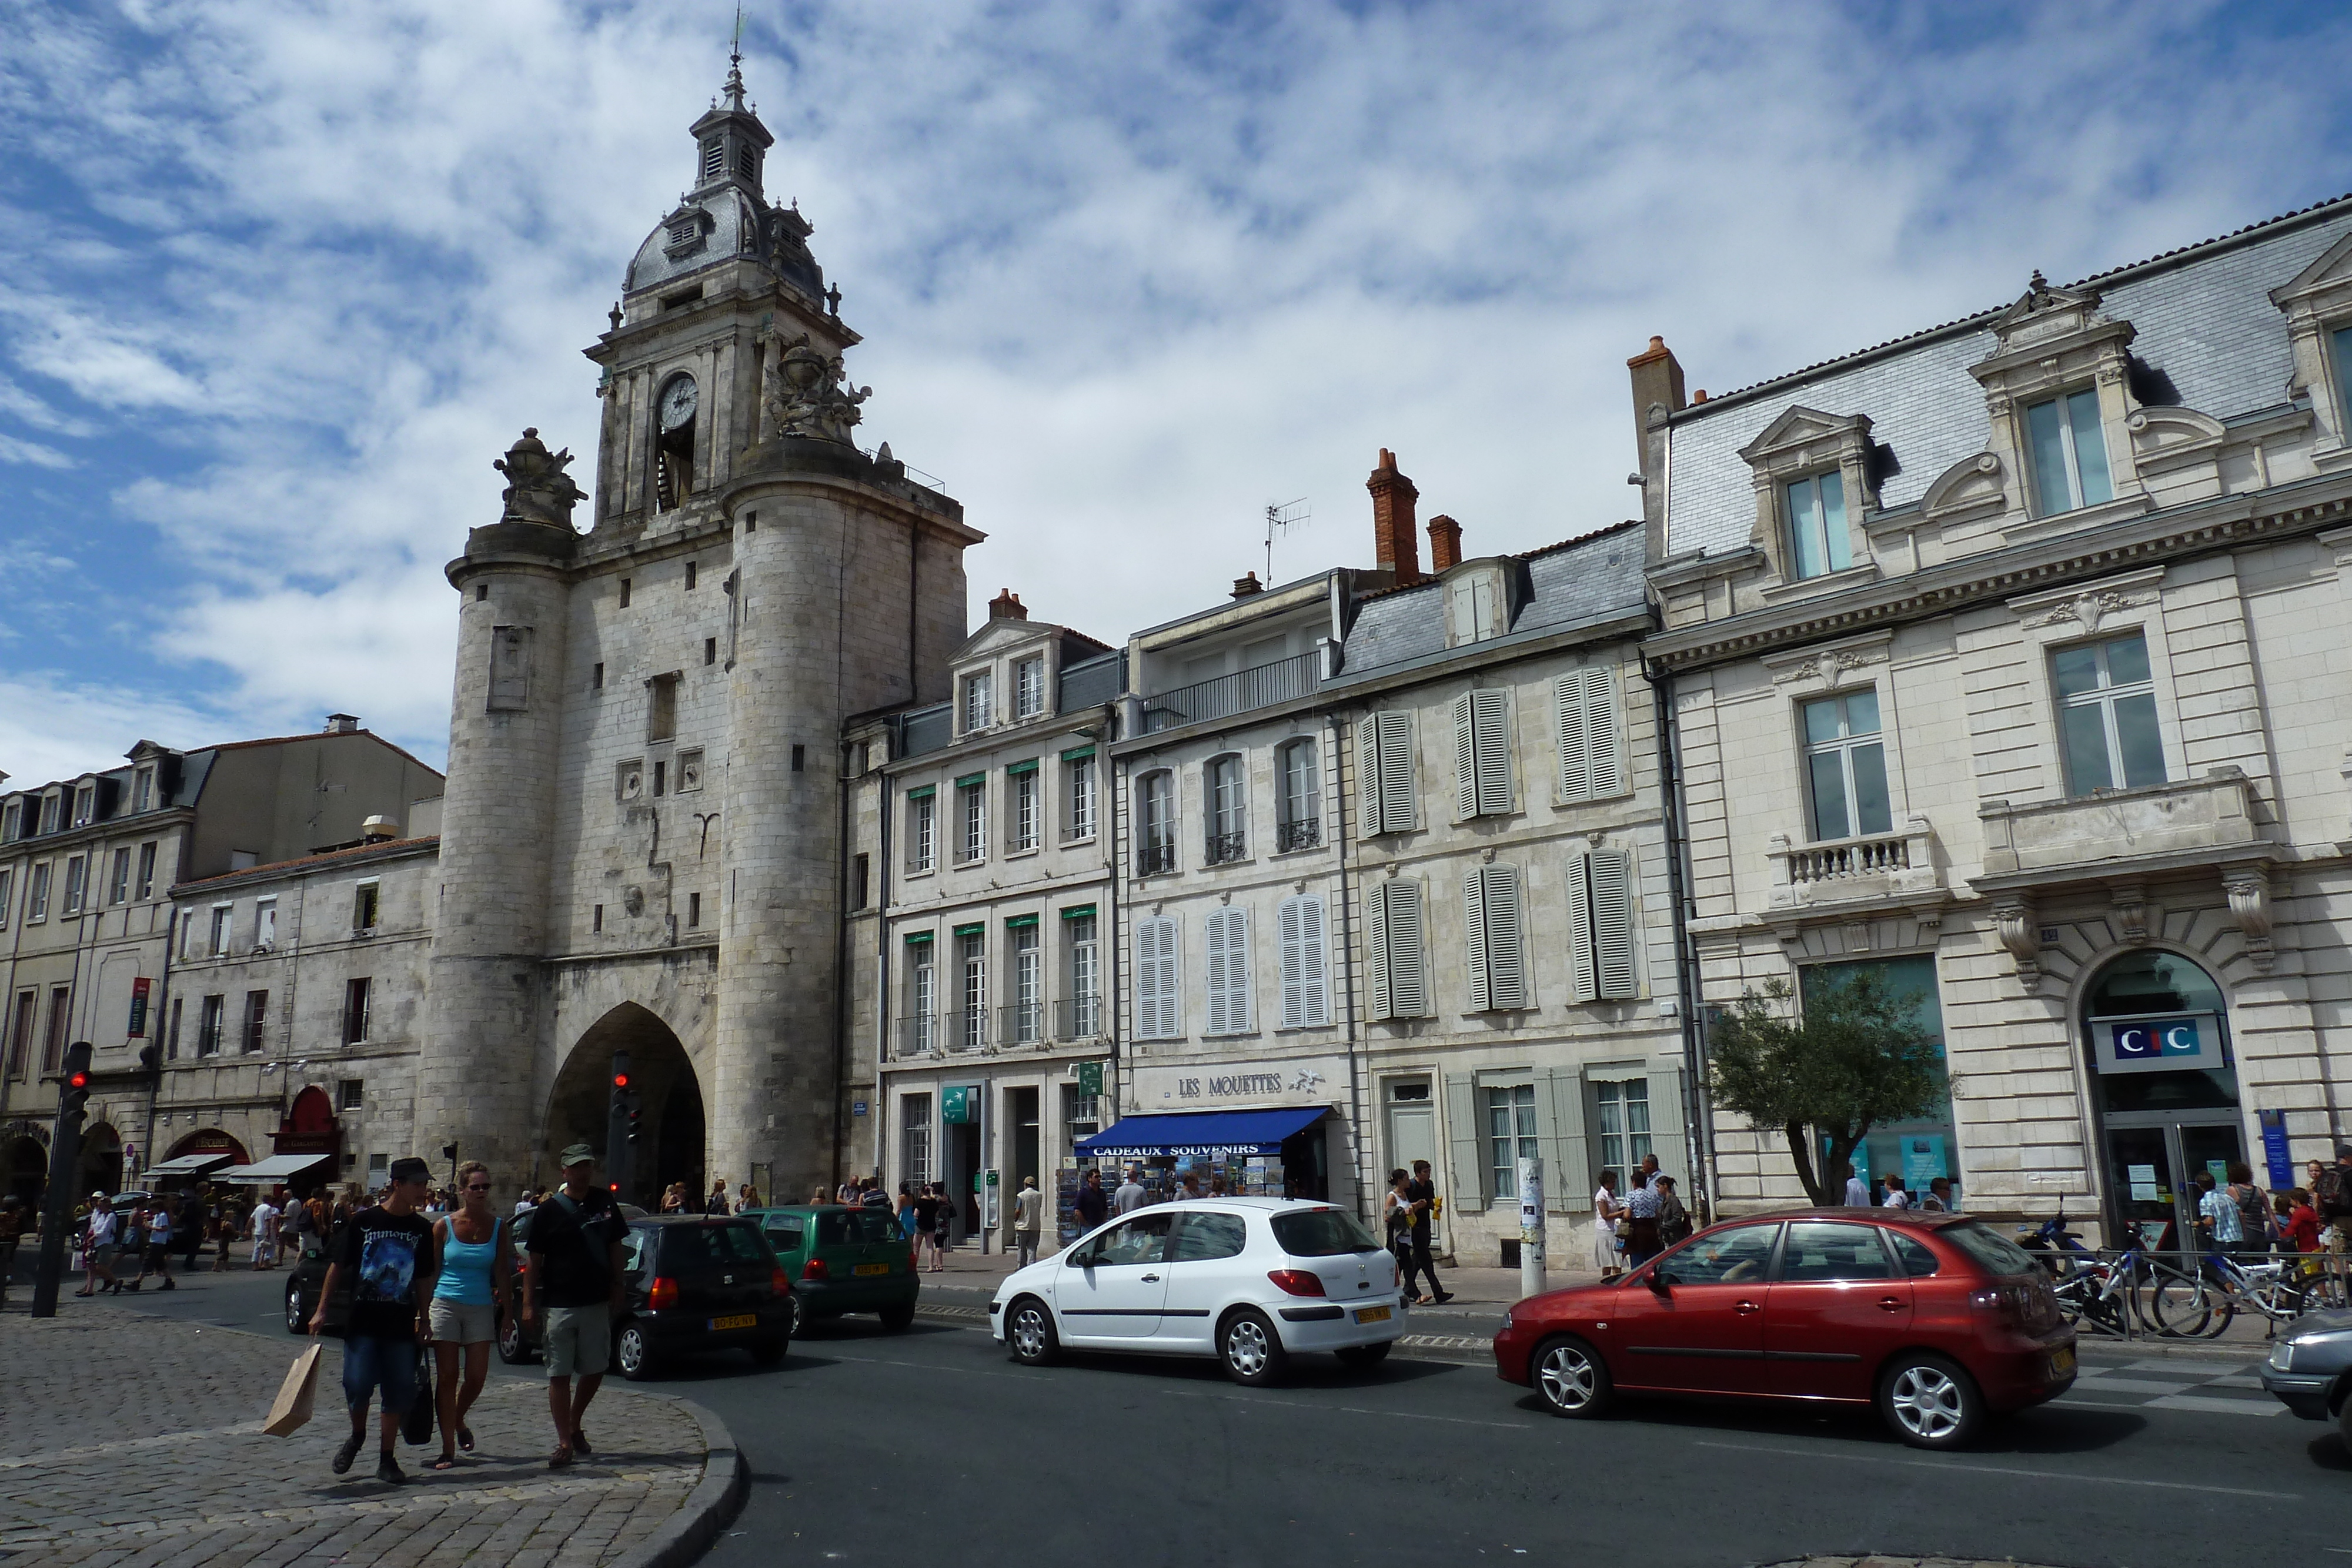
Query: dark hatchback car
695	1283
2310	1369
843	1260
1937	1320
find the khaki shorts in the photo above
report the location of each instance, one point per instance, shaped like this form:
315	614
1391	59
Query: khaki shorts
465	1323
579	1340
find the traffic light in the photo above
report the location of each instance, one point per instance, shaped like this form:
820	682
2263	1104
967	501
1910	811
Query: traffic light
636	1119
73	1092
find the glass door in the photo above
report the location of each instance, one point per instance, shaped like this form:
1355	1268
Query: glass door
2208	1149
2142	1187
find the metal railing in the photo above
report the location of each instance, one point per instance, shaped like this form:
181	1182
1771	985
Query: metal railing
1222	847
1073	831
1152	859
967	1028
2134	1293
1079	1017
1300	835
1285	680
1021	1023
918	1034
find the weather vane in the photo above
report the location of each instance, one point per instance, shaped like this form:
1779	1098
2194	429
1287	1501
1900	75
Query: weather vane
735	46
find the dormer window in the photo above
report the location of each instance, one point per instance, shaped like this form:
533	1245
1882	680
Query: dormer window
2069	453
143	790
1817	541
978	701
52	808
714	159
1029	689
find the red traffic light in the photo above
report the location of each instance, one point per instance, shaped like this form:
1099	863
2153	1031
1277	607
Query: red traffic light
77	1081
620	1081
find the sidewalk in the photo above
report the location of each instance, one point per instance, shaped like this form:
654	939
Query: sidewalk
132	1440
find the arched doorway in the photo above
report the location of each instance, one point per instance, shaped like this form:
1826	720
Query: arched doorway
27	1168
211	1141
2165	1089
100	1166
670	1137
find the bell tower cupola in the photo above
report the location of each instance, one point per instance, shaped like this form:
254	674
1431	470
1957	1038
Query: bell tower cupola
730	142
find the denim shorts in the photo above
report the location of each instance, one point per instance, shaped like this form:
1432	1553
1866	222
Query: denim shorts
371	1362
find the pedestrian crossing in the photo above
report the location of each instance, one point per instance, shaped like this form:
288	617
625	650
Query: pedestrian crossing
2207	1387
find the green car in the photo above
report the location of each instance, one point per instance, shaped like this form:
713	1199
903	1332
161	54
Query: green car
843	1260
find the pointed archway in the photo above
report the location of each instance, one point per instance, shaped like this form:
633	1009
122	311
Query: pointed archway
671	1135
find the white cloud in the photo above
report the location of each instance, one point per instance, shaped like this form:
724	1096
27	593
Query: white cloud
13	449
53	730
1126	273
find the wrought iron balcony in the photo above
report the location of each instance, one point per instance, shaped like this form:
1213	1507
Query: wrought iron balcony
918	1034
967	1028
1299	835
1079	1017
1153	858
1021	1023
1222	847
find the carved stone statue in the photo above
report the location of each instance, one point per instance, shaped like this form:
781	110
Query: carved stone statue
804	395
538	488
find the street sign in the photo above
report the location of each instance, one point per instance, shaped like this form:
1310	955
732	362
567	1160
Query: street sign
957	1103
858	1107
1090	1078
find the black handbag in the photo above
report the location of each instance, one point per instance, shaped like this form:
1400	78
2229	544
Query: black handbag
417	1427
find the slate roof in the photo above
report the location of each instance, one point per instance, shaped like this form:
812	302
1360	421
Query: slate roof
2203	319
1583	581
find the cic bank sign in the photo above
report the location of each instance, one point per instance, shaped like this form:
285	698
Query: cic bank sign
2169	1043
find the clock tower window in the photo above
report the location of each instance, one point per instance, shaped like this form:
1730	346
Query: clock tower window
674	478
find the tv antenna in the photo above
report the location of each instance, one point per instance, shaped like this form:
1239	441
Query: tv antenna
1280	520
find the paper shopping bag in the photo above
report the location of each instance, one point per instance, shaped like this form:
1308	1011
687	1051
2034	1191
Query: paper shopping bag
292	1408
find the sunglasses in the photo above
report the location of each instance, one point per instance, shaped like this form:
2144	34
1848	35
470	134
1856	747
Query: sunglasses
478	1186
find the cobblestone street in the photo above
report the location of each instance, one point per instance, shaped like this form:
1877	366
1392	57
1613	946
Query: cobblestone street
132	1440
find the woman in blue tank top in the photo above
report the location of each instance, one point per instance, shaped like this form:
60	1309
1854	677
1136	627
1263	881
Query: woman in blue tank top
477	1261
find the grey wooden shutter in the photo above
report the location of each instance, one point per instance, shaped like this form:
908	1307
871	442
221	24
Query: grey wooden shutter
1669	1139
1474	933
1505	944
1400	808
1314	965
1368	777
1584	969
1613	922
1408	952
1376	943
1465	756
1589	763
1568	1157
1490	722
1462	1136
1241	985
1156	998
1220	977
1290	961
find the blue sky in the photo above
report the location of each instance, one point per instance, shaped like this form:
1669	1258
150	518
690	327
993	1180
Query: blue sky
278	281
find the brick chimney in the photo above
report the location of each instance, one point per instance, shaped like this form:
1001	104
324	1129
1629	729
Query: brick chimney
1007	606
1444	544
1657	378
1395	547
1244	587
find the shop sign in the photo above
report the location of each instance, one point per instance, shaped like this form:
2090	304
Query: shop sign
137	1029
1923	1160
956	1101
1090	1076
2281	1167
1198	1088
2165	1043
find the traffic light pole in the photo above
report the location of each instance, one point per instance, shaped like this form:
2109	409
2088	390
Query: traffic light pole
65	1163
617	1132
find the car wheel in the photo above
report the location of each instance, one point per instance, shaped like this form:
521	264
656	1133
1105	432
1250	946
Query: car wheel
1929	1402
2344	1420
769	1352
898	1317
1363	1357
298	1310
1251	1349
1572	1379
795	1323
513	1348
635	1355
1029	1330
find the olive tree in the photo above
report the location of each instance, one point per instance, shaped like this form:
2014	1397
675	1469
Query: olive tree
1854	1055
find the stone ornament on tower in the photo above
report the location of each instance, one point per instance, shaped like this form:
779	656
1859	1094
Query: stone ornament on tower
538	488
803	394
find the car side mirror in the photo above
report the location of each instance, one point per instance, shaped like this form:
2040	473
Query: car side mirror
1658	1279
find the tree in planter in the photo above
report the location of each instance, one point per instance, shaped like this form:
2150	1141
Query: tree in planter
1855	1057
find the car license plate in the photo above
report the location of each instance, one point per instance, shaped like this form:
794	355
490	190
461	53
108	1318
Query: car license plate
1371	1314
2062	1362
873	1269
741	1321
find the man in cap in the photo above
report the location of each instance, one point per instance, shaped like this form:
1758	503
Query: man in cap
388	1254
576	1278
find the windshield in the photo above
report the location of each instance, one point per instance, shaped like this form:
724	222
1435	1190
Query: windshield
1322	1233
686	1246
1996	1252
835	1226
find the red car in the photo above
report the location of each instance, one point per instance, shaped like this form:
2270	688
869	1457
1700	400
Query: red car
1934	1318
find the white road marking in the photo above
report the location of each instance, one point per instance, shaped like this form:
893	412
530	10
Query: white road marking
2132	1386
1816	1454
2218	1406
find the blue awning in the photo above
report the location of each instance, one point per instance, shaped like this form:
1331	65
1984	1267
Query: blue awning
1202	1133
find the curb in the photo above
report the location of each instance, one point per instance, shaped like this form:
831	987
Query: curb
709	1509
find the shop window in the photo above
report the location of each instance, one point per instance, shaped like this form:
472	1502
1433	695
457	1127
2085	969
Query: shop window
1918	1150
1081	1115
2106	715
1845	764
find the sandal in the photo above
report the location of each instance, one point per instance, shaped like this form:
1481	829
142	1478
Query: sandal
464	1436
562	1459
446	1462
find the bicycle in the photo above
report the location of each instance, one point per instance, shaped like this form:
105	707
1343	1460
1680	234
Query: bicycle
2100	1291
2206	1302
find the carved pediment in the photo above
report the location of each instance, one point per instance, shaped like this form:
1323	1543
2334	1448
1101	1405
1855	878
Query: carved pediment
2331	271
1800	427
1973	483
2166	437
998	636
2045	313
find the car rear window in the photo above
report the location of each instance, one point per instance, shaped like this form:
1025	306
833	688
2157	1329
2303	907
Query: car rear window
841	1226
686	1246
1322	1233
1990	1247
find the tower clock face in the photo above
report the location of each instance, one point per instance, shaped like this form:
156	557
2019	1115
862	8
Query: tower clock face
677	402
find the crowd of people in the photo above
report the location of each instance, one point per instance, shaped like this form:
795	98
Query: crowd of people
2237	1217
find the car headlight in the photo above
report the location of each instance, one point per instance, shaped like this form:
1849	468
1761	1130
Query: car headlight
2283	1356
1506	1321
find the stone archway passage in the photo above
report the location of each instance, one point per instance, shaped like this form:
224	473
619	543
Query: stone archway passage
27	1168
101	1166
671	1136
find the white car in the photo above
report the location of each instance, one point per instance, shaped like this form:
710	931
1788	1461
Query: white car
1250	1280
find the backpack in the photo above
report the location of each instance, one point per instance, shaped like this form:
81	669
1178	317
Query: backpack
2327	1194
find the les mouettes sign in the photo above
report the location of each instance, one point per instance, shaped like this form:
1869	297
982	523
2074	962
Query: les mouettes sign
1208	1087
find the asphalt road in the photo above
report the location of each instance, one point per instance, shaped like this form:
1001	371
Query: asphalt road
868	1446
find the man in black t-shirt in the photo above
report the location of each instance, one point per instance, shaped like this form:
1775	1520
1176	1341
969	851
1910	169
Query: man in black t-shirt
1422	1191
575	1275
388	1254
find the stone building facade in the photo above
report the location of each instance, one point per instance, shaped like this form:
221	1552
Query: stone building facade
643	843
2007	659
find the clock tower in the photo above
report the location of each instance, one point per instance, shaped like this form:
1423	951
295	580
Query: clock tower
641	846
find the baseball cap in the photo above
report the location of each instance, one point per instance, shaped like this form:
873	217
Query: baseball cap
579	1155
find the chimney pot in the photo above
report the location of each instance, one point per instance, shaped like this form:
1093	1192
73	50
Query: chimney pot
1396	547
1699	396
1444	544
1245	586
342	724
1007	606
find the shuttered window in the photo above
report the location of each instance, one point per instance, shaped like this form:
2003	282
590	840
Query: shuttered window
1600	927
1158	1008
1491	919
1384	782
1305	963
1400	956
1228	971
1589	766
1482	754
